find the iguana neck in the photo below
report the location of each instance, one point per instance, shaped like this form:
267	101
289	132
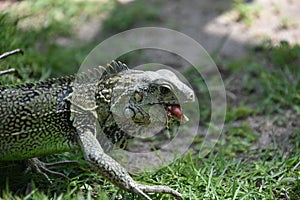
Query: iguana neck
113	133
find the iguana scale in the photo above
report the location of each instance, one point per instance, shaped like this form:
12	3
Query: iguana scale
92	112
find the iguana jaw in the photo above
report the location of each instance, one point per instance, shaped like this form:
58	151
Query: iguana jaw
174	112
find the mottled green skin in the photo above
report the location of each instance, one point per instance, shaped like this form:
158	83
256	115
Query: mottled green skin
35	120
90	111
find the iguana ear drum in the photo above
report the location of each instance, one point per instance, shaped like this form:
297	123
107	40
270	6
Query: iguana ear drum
128	113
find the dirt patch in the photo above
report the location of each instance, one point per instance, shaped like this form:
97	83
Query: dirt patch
216	26
273	131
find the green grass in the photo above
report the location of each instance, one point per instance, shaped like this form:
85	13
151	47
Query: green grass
262	174
269	78
279	83
233	170
42	56
246	12
34	27
124	17
288	23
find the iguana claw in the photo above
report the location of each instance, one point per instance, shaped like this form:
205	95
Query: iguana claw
34	164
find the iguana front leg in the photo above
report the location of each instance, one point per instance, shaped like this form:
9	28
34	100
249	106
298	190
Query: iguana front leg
113	171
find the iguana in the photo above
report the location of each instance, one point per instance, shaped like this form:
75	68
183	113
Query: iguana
91	111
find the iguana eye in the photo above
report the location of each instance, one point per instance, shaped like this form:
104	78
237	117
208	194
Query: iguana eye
164	90
138	97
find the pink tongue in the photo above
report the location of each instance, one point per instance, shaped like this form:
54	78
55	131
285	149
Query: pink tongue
176	110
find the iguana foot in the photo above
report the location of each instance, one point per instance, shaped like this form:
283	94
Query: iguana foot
141	190
160	189
34	164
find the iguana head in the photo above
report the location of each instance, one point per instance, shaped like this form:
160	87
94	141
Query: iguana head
144	100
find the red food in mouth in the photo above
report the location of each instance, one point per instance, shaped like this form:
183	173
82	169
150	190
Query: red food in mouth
174	113
175	109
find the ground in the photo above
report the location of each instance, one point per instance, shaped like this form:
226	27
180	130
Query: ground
253	43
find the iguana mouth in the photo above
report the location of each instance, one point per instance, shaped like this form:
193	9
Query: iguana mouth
174	109
174	112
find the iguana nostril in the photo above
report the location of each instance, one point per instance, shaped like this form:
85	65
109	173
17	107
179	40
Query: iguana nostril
192	96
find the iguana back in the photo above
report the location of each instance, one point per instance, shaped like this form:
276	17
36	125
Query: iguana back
35	119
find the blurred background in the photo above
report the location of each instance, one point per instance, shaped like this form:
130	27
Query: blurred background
255	44
70	29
